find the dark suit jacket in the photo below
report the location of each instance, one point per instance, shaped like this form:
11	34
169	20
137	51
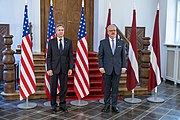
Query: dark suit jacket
108	61
57	60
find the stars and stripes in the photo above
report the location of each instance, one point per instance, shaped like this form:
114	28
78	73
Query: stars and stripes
81	77
51	33
27	76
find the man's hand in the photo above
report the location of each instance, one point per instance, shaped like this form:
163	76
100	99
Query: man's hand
102	70
69	72
123	70
50	72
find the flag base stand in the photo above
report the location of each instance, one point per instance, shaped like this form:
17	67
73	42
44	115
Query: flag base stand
155	99
27	105
47	103
101	101
133	100
79	102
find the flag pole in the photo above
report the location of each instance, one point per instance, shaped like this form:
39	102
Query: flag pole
26	105
82	3
47	103
133	33
79	102
155	98
51	3
106	36
132	99
132	93
50	35
155	93
26	101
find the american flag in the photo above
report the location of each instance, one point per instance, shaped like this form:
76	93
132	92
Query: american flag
51	33
81	77
132	68
27	76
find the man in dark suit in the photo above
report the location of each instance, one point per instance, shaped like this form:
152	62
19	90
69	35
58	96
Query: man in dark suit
59	65
112	62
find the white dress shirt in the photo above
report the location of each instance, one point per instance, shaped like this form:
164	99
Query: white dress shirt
62	41
110	41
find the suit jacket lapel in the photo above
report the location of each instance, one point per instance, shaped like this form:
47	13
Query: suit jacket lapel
108	45
117	44
56	43
65	43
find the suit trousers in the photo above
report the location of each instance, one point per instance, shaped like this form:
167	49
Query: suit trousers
111	85
63	89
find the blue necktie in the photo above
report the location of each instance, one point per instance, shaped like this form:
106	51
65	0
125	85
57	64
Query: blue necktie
113	46
60	45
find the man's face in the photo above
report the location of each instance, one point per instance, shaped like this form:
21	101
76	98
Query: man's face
60	31
112	31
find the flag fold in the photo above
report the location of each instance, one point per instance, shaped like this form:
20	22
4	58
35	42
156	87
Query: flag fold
27	76
132	67
81	77
154	73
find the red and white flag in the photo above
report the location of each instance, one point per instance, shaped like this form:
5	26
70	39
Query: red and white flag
132	67
50	35
154	73
27	76
108	22
81	77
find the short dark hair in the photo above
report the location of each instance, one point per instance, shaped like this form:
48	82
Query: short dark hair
59	25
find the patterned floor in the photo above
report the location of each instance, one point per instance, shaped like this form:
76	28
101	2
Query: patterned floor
168	110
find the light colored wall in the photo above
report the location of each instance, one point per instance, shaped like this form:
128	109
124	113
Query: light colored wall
122	11
12	12
162	19
172	65
171	18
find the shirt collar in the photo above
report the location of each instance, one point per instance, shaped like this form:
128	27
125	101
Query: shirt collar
60	38
112	39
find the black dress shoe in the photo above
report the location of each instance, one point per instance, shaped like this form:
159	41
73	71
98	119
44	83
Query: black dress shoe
54	110
64	109
106	108
115	109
